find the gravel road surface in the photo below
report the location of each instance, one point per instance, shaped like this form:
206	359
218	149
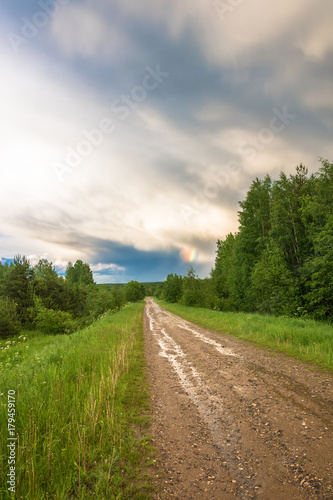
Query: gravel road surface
232	420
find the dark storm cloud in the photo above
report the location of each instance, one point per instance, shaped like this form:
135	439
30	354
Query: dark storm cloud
140	265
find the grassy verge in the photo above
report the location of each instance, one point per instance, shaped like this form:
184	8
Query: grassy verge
308	340
81	412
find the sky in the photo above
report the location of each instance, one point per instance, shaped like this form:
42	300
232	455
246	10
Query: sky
130	130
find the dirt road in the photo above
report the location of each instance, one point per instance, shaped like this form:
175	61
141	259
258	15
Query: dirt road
231	420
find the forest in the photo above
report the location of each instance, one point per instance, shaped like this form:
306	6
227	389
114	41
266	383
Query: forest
280	262
36	297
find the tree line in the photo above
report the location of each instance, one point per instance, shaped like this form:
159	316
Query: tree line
36	297
280	261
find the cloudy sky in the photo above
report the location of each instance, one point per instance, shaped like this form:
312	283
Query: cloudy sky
130	129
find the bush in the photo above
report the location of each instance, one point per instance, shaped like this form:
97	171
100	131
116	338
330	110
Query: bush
9	323
99	300
17	285
192	289
134	291
224	304
51	321
118	297
173	288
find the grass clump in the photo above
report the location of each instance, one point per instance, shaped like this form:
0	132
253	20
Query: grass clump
305	339
81	412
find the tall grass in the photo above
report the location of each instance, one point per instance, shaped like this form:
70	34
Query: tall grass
305	339
80	402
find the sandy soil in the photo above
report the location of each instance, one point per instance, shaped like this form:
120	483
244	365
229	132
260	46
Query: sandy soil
231	420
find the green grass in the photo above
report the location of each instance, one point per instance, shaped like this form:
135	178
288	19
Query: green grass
82	412
307	340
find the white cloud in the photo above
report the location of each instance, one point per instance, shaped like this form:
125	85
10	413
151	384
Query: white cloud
315	36
94	36
41	118
34	258
97	268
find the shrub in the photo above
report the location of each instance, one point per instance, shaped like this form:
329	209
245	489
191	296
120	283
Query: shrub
17	285
173	288
192	289
9	323
51	321
134	291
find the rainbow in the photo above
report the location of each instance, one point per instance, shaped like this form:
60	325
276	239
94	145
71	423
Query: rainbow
190	255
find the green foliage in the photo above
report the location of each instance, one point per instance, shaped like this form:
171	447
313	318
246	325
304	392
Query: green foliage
153	288
9	323
255	226
37	296
319	268
280	261
288	228
273	284
103	299
173	288
3	270
134	291
79	274
254	218
192	290
52	322
223	275
52	289
189	290
118	297
208	295
18	285
67	295
159	290
99	300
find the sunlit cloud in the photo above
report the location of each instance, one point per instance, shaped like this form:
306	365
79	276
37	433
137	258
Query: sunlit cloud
104	267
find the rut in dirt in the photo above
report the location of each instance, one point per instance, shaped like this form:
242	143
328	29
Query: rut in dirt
234	421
